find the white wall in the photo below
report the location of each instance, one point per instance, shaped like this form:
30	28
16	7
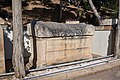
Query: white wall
101	42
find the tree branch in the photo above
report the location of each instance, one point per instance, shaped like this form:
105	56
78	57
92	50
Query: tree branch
95	12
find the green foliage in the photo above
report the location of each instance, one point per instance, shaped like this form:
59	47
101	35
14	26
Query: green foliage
46	2
112	4
112	7
86	5
85	0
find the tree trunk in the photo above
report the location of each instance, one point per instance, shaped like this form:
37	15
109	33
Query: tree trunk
60	11
18	48
95	11
117	37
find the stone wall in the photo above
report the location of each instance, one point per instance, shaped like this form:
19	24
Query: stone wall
2	55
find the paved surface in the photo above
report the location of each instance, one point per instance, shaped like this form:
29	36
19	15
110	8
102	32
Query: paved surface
113	74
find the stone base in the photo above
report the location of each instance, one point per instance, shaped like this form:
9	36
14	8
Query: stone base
59	50
2	55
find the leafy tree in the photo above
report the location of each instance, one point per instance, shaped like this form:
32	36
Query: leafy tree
112	4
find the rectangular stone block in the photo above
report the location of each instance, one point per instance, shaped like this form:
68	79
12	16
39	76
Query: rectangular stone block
41	52
74	43
2	55
54	44
58	50
77	54
55	57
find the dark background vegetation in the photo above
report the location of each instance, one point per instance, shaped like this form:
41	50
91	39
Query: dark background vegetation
48	10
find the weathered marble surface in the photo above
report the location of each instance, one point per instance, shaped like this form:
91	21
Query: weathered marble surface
53	29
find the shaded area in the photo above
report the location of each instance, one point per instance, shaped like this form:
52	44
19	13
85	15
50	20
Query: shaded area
49	10
111	41
8	46
50	13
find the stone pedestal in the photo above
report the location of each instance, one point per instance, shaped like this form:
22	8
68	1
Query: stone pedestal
2	55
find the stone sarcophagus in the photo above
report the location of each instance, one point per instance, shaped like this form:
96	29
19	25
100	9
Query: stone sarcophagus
55	43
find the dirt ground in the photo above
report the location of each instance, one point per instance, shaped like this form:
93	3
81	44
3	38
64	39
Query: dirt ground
113	74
